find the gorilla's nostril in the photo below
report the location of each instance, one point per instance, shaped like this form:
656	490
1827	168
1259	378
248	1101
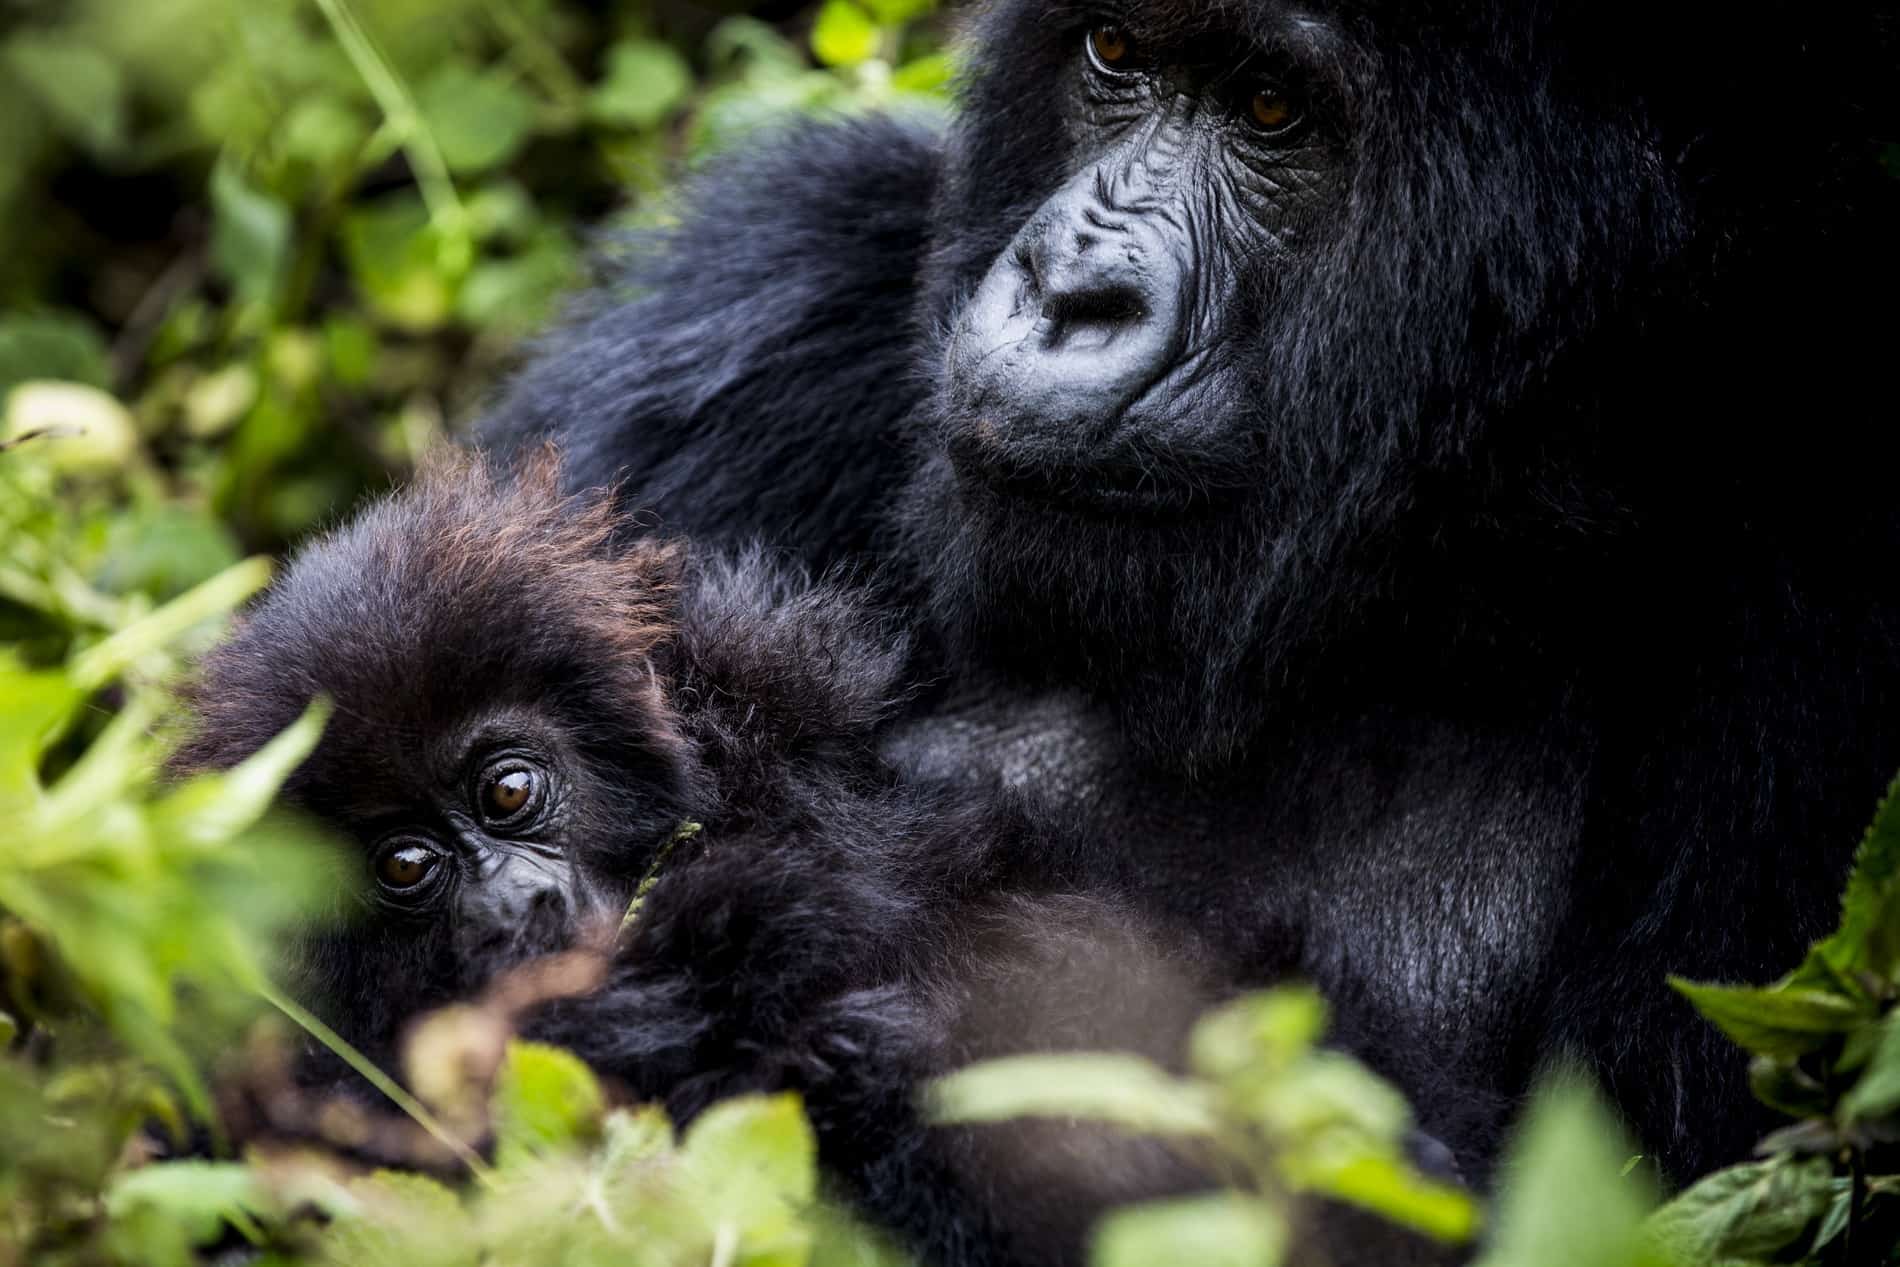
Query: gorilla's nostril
1101	306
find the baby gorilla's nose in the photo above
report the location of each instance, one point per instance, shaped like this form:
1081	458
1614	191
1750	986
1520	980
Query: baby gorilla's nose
517	904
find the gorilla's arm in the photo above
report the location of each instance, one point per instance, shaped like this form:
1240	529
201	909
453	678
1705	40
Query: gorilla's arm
750	374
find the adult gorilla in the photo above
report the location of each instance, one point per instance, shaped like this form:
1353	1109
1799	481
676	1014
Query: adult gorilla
1402	471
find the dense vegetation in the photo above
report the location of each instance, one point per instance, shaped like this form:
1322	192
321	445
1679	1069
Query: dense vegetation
254	256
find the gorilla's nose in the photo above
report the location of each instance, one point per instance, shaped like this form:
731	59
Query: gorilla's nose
1090	293
1077	317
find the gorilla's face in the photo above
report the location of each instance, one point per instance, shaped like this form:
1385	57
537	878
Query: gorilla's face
1245	309
1092	368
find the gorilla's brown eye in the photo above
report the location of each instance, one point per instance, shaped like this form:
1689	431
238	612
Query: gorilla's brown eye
402	868
507	791
1111	48
1273	110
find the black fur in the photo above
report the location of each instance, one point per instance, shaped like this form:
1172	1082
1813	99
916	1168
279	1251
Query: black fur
831	929
1549	650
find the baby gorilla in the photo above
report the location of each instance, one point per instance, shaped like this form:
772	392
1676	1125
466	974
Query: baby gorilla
531	702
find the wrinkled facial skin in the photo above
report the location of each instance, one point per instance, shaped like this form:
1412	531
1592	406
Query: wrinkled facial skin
1088	368
479	841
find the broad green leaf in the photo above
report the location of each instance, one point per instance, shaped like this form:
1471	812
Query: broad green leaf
163	549
9	1030
199	1196
545	1100
1868	939
1877	1092
480	119
250	233
208	600
80	88
1228	1230
518	293
397	259
645	82
750	1165
1323	1093
634	1137
844	34
1110	1087
1746	1212
78	429
1389	1187
898	12
1260	1032
1564	1199
35	708
54	346
929	76
1776	1020
323	131
214	808
763	1139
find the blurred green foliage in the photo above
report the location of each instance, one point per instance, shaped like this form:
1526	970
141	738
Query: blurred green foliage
293	237
254	256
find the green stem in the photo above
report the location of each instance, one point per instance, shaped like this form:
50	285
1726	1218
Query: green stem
416	1109
399	108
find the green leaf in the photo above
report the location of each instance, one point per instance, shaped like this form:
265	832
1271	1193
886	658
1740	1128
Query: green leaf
1391	1188
77	430
323	132
1264	1031
397	260
37	707
755	1147
59	346
516	294
480	119
1107	1087
1228	1230
214	808
80	88
199	1196
1868	940
1783	1021
250	233
208	600
1877	1092
645	82
927	76
750	1167
545	1100
898	12
844	34
1564	1199
1751	1211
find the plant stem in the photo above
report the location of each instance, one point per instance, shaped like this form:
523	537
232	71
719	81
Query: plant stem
414	1108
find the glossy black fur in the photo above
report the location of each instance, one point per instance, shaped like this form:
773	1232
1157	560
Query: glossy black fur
832	929
1552	648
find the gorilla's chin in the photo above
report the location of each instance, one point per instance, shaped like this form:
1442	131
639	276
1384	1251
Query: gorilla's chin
1016	581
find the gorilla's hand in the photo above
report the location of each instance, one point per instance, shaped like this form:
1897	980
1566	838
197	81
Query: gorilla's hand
757	968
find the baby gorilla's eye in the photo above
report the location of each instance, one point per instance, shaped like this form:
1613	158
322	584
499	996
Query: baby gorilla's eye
1274	110
508	791
1110	48
405	867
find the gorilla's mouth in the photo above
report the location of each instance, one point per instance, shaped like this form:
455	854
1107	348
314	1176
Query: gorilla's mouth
1119	488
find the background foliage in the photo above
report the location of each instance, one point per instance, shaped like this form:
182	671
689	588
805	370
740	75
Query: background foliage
255	256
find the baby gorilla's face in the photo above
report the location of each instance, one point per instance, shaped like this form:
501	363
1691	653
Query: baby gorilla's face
502	758
479	838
